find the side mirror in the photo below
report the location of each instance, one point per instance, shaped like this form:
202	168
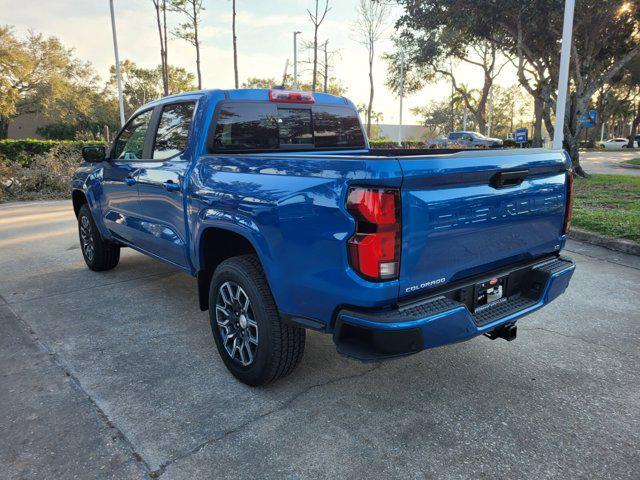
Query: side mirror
94	154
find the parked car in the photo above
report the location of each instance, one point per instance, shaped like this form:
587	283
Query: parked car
466	140
618	143
274	202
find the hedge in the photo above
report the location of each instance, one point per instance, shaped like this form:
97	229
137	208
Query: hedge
20	151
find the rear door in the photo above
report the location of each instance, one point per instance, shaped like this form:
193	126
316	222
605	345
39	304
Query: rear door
120	176
471	212
160	183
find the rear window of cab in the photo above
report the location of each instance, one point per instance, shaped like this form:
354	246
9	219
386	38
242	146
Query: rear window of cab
267	126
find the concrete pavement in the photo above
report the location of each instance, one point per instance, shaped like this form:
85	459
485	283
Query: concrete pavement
115	375
603	161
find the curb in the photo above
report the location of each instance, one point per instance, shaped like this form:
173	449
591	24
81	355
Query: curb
612	243
628	165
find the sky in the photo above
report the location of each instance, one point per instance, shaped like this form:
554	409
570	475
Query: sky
265	41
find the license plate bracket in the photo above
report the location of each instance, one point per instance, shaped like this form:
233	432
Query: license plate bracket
489	292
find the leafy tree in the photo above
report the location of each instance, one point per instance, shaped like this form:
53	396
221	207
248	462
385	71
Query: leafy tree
377	117
428	57
334	87
40	75
630	79
256	82
605	39
438	116
141	85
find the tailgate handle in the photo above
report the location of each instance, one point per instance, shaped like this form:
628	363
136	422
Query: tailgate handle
508	179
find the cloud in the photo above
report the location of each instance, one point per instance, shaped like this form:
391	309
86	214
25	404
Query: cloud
264	30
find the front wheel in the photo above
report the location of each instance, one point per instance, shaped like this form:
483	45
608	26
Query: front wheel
255	345
98	254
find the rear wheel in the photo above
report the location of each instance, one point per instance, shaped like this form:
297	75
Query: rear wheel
254	344
99	255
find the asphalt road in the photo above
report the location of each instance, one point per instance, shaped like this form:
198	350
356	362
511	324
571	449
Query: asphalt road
115	375
608	162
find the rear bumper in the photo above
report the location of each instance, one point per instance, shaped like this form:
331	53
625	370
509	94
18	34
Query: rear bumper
443	318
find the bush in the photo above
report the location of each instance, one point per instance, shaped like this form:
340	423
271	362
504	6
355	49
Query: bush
23	151
36	169
392	144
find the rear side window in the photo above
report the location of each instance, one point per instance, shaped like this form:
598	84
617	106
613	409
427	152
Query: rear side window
245	126
336	127
268	126
173	130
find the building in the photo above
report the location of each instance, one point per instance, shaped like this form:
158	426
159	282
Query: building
25	126
409	132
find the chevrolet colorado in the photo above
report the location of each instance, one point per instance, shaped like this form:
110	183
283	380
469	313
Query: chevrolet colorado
273	200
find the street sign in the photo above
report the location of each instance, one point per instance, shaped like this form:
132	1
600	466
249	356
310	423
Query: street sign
589	118
521	135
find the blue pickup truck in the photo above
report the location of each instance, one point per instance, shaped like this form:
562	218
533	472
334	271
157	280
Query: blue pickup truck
273	200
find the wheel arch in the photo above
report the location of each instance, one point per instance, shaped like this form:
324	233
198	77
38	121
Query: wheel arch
79	198
215	245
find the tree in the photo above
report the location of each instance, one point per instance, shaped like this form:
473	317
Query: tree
631	79
141	85
39	75
430	57
188	30
605	39
316	20
369	28
256	82
161	20
376	117
438	116
235	45
334	87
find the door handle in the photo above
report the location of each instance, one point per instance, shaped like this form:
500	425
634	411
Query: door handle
130	180
171	186
508	179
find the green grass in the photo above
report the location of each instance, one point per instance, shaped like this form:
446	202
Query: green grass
608	204
634	161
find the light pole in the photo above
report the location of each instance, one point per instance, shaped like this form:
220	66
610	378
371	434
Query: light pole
295	60
401	95
118	75
563	76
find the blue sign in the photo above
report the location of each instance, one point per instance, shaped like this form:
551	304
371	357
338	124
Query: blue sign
589	118
521	135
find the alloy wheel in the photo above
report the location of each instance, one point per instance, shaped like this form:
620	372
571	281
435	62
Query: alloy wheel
86	238
236	323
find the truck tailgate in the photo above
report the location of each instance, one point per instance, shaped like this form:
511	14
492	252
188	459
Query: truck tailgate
471	212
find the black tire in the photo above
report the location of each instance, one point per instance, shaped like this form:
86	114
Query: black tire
99	255
278	347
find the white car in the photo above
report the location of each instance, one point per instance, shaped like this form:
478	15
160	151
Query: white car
616	143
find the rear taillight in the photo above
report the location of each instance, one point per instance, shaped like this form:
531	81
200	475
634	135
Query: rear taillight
374	249
567	215
288	96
